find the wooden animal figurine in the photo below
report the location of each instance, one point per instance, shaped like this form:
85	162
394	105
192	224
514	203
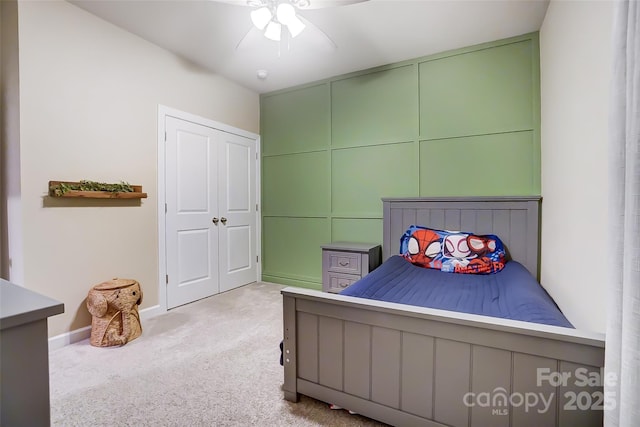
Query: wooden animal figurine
114	307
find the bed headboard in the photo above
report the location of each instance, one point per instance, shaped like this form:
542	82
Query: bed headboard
515	220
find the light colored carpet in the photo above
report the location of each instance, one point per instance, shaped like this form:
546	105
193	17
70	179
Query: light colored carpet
211	363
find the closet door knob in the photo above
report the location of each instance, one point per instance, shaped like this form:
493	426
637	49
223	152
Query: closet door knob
215	220
223	220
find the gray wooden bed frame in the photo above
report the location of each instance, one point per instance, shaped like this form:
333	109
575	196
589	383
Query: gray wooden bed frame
406	365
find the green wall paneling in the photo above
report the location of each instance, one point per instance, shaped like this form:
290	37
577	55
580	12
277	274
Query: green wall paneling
295	121
296	184
360	177
487	165
475	93
464	122
375	108
362	230
291	249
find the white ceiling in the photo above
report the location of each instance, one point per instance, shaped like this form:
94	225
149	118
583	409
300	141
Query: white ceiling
368	34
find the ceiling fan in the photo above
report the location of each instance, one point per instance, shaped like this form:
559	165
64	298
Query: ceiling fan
279	20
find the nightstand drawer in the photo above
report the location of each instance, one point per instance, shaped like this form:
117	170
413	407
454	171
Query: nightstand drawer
338	282
344	262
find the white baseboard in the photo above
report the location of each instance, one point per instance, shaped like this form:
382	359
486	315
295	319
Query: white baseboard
150	312
77	335
67	338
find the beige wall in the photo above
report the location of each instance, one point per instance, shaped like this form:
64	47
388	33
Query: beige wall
89	94
575	62
11	268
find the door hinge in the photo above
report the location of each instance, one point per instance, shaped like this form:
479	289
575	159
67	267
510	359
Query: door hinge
167	279
256	207
165	208
257	258
165	137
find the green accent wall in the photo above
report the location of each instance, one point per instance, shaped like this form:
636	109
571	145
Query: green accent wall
459	123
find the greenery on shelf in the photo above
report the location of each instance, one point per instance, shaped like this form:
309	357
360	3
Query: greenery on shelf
85	185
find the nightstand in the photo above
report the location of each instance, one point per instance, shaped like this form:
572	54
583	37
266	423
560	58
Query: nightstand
344	263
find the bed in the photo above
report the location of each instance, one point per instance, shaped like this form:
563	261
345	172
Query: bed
407	365
513	293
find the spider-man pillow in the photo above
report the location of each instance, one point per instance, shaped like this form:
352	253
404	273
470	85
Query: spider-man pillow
453	251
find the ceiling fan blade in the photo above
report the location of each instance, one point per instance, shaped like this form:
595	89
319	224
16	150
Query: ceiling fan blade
321	4
250	3
243	41
312	38
313	35
234	2
321	35
313	4
253	40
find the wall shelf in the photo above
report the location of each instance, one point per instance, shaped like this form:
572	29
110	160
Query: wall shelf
136	194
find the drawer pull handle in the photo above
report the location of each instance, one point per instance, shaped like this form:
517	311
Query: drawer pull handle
343	263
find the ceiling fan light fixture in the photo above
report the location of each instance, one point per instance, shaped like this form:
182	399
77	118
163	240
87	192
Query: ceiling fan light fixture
273	31
295	26
261	17
285	13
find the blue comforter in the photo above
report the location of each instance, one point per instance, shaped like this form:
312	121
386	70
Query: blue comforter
511	294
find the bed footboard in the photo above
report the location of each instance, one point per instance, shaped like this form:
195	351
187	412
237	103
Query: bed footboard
407	365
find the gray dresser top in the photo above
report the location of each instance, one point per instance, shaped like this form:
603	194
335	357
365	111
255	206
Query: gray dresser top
19	306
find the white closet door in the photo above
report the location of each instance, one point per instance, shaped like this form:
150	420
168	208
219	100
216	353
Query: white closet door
237	201
192	203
